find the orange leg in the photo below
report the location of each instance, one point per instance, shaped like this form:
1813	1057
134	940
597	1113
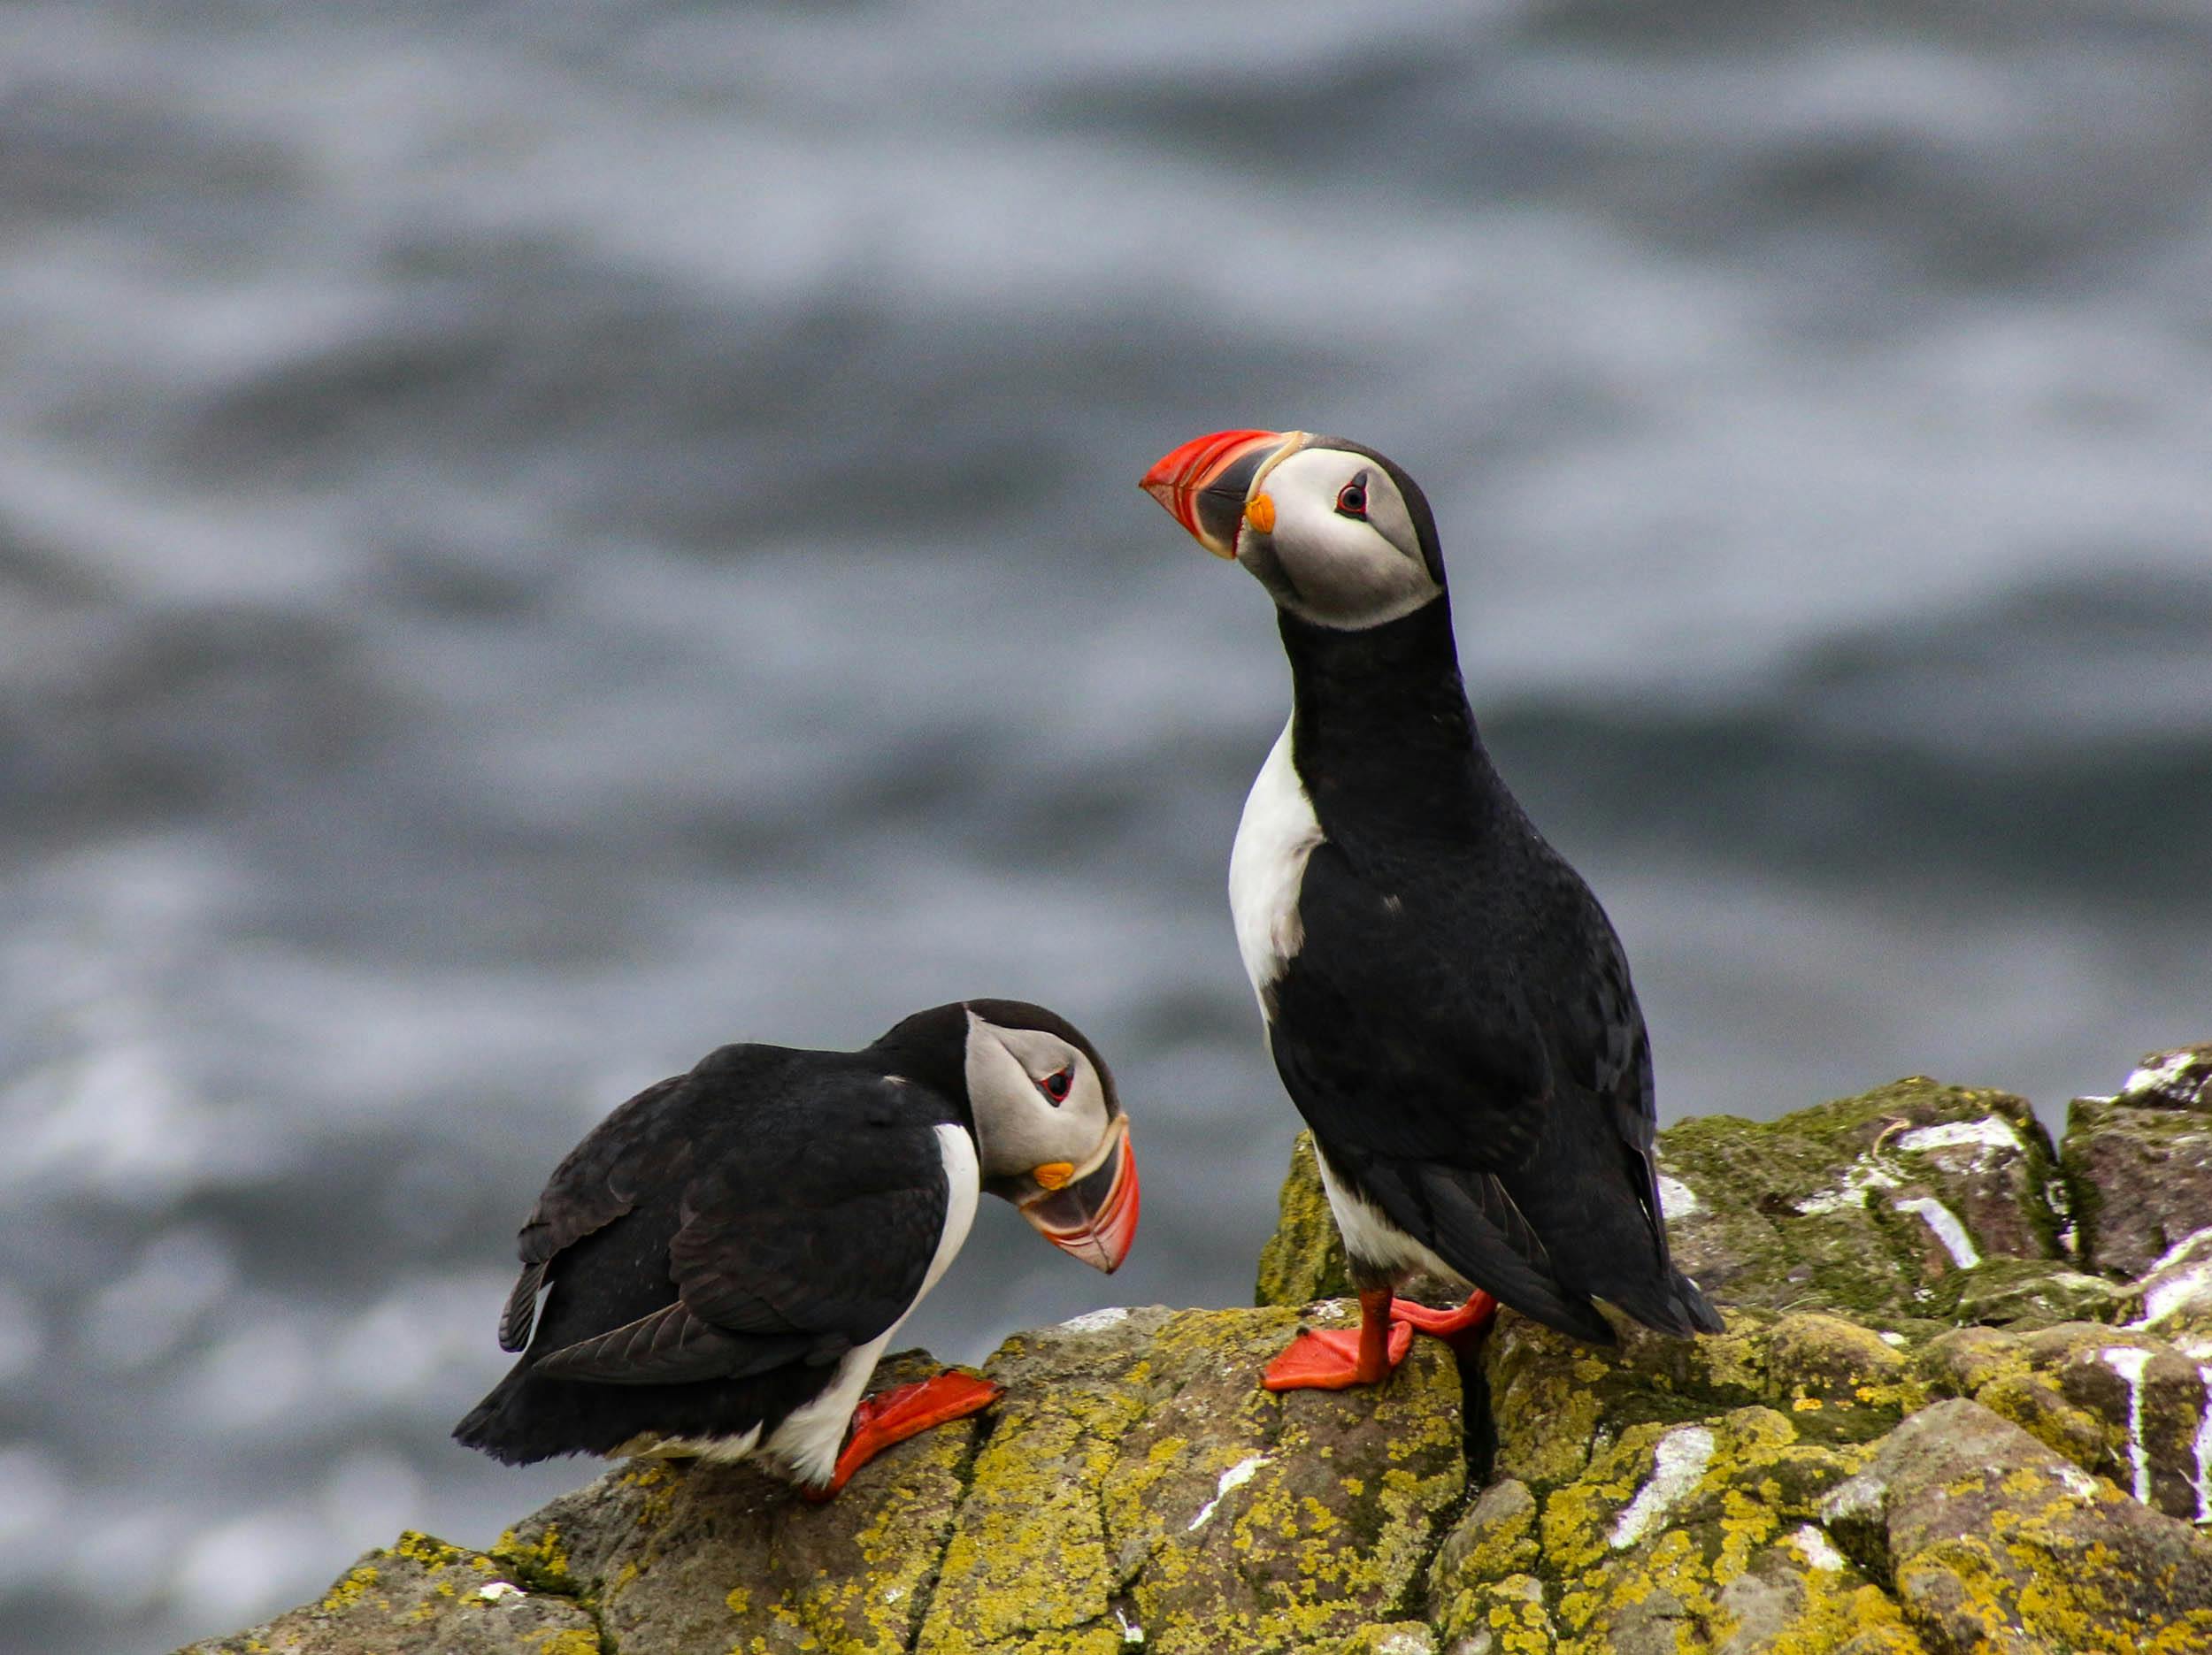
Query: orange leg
1334	1361
904	1411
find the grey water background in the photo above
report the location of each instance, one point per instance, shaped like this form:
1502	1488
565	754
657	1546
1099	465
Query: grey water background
535	540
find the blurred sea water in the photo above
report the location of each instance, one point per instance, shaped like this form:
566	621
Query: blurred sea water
535	540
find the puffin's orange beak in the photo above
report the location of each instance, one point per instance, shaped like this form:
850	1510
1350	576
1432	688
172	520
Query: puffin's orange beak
1092	1216
1205	484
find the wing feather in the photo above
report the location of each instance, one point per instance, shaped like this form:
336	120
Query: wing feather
739	1219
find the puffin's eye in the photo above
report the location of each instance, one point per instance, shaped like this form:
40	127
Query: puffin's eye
1351	500
1054	1086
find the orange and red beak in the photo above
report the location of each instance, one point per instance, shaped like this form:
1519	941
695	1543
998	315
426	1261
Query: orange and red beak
1205	484
1092	1216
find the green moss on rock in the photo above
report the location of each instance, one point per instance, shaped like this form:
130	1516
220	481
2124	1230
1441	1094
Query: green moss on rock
2117	1402
1880	1207
677	1555
1303	1260
1398	1637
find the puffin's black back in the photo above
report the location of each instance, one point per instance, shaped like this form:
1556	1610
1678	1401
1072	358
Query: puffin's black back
1458	1026
764	1214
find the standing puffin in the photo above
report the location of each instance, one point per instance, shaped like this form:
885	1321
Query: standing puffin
1446	1002
715	1270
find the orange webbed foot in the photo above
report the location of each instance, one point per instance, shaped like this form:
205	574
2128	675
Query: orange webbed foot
904	1411
1336	1359
1470	1317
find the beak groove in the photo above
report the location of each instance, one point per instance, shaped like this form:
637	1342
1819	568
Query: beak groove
1205	483
1093	1216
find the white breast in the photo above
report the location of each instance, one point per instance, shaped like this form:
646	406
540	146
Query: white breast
1267	866
1369	1235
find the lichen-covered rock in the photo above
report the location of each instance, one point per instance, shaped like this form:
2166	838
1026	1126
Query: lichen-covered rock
1996	1543
2032	1292
2139	1163
1554	1400
1399	1637
2117	1402
1135	1479
1665	1496
422	1596
1928	1429
676	1555
1139	1479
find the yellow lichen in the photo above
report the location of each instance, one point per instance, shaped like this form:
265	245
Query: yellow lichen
352	1586
435	1555
566	1641
539	1563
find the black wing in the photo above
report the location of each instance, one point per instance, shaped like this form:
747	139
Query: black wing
798	1220
1621	1248
1511	1136
596	1182
1386	1004
1610	1053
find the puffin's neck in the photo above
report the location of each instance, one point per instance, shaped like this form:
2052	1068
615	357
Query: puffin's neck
930	1049
1380	730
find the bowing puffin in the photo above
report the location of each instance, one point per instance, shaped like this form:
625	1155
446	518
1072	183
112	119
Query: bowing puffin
1447	1003
716	1268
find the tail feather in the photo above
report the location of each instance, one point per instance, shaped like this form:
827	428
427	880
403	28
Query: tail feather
1511	1268
525	1419
486	1428
1672	1305
1691	1299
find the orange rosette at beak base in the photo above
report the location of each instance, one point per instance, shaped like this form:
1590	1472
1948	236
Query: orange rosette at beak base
1203	483
1091	1215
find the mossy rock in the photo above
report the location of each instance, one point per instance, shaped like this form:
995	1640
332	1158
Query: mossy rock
1917	1202
1666	1495
1881	1206
1303	1260
677	1555
1845	1470
1397	1637
1136	1476
2117	1402
1553	1399
1699	1534
2023	1293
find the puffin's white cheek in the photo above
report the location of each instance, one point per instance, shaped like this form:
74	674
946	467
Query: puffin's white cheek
1344	573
